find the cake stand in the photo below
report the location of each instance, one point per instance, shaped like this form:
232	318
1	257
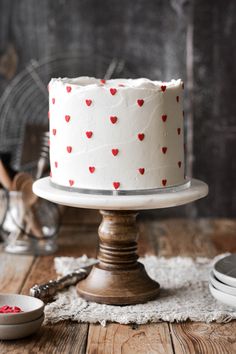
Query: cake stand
118	278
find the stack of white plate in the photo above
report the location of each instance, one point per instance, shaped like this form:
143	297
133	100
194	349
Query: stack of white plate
223	280
21	324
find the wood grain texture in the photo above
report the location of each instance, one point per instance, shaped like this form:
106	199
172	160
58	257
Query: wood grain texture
118	279
181	237
60	338
13	271
223	235
202	338
126	339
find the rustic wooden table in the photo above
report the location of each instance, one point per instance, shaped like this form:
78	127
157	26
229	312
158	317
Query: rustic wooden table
170	237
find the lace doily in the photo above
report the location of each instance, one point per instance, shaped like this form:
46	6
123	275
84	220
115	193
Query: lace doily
184	295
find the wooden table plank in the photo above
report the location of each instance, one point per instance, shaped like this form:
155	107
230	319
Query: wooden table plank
61	338
223	235
14	270
182	237
203	338
127	339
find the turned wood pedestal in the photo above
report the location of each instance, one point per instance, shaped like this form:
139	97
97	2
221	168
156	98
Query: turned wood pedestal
118	278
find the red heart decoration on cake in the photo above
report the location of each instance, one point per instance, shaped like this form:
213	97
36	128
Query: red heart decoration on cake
69	149
116	185
179	163
163	88
178	130
141	170
91	169
48	115
115	152
164	117
56	164
54	131
68	89
67	118
113	119
71	182
113	91
89	134
164	149
141	136
88	102
164	181
177	98
103	81
140	102
53	100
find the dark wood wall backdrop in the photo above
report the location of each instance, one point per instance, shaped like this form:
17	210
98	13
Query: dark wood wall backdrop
159	39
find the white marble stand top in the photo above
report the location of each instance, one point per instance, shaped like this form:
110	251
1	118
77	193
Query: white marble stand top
196	190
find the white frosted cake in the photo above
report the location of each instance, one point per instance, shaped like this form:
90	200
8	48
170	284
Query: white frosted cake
116	134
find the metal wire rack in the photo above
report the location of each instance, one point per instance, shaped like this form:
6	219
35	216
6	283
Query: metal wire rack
24	103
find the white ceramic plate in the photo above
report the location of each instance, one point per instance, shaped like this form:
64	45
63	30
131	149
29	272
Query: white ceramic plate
225	270
20	330
221	286
44	189
226	299
32	307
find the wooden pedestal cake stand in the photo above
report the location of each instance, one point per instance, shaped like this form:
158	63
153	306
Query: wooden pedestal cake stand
118	278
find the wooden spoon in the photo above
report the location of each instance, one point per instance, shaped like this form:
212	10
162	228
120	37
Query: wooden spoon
19	179
29	199
28	196
4	177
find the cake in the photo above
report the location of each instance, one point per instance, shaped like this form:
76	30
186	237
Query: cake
120	134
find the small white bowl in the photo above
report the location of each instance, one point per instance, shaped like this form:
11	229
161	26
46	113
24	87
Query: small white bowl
226	299
32	308
20	330
221	286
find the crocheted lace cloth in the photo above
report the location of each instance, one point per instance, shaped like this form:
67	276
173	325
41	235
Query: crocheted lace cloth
184	295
